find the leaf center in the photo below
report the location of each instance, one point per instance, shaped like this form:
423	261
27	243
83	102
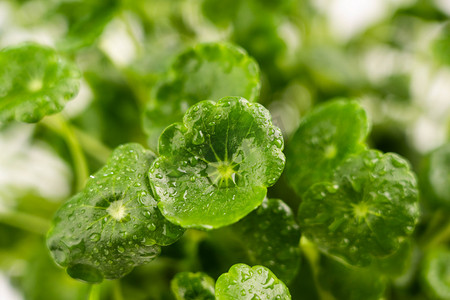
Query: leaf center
223	173
117	210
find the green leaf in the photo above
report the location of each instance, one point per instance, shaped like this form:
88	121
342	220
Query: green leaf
271	237
114	224
324	139
441	45
244	282
193	286
435	176
367	211
349	283
203	72
215	167
85	21
436	273
34	82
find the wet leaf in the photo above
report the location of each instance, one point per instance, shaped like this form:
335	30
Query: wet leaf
203	72
193	286
244	282
324	139
34	82
271	237
367	211
113	225
216	166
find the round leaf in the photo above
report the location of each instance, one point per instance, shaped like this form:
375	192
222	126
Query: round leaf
324	139
193	286
368	210
34	82
436	274
114	224
271	237
215	167
243	282
203	72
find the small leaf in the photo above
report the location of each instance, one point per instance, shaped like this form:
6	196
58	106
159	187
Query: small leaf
349	283
367	211
215	167
34	82
114	224
193	286
204	72
271	237
244	282
435	177
324	139
436	273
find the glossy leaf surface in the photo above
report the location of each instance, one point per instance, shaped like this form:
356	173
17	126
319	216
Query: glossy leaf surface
215	167
324	139
243	282
114	224
193	286
204	72
34	82
436	274
271	237
366	212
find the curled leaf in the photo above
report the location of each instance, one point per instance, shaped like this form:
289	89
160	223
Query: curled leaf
215	167
114	224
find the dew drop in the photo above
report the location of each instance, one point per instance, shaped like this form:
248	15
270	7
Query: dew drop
151	227
94	237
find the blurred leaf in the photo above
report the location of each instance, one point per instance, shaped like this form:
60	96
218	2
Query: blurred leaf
193	286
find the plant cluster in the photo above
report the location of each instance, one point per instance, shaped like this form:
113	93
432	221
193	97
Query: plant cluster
218	170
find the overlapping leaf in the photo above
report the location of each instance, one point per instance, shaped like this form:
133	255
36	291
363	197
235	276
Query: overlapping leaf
216	166
204	72
324	139
114	224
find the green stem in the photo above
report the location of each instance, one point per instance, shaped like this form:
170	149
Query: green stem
312	254
58	124
440	237
93	146
94	293
25	221
117	290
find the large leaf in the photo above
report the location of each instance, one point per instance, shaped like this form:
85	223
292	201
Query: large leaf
216	166
34	82
114	224
324	139
203	72
366	212
243	282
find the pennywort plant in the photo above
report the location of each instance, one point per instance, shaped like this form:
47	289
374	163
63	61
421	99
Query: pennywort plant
213	154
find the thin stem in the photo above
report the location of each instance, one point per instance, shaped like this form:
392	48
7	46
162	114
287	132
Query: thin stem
25	221
93	146
117	290
440	237
58	124
94	293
